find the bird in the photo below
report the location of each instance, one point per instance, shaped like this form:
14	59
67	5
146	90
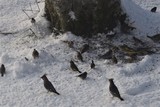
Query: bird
35	54
114	59
154	9
82	75
92	64
79	56
2	70
48	85
74	67
84	48
114	90
33	20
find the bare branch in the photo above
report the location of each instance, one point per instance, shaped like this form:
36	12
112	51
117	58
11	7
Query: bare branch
26	14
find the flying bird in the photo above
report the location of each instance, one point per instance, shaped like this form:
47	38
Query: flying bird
114	90
2	70
74	67
35	54
92	64
154	9
83	75
48	85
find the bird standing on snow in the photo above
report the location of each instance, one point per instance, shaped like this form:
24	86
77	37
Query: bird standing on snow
2	70
74	67
154	9
48	85
79	56
114	59
35	54
83	75
92	64
114	90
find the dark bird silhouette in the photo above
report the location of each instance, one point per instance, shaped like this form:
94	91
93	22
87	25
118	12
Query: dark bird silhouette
114	90
2	70
48	85
35	54
154	9
107	55
83	75
114	59
92	64
74	67
33	20
84	48
79	56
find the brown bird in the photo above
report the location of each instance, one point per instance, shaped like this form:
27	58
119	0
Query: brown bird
83	75
114	59
114	90
48	85
79	56
154	9
35	54
74	67
92	64
84	48
2	70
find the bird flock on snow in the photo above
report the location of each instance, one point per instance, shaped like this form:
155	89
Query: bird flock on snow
83	75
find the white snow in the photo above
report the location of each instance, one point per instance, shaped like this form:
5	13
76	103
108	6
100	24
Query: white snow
72	15
138	83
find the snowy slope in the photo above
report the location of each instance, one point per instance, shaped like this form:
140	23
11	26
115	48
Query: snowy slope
146	22
22	86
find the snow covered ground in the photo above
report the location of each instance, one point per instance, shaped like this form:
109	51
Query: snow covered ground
138	83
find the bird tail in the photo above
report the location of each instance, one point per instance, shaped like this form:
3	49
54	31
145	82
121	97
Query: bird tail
121	98
79	71
57	93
